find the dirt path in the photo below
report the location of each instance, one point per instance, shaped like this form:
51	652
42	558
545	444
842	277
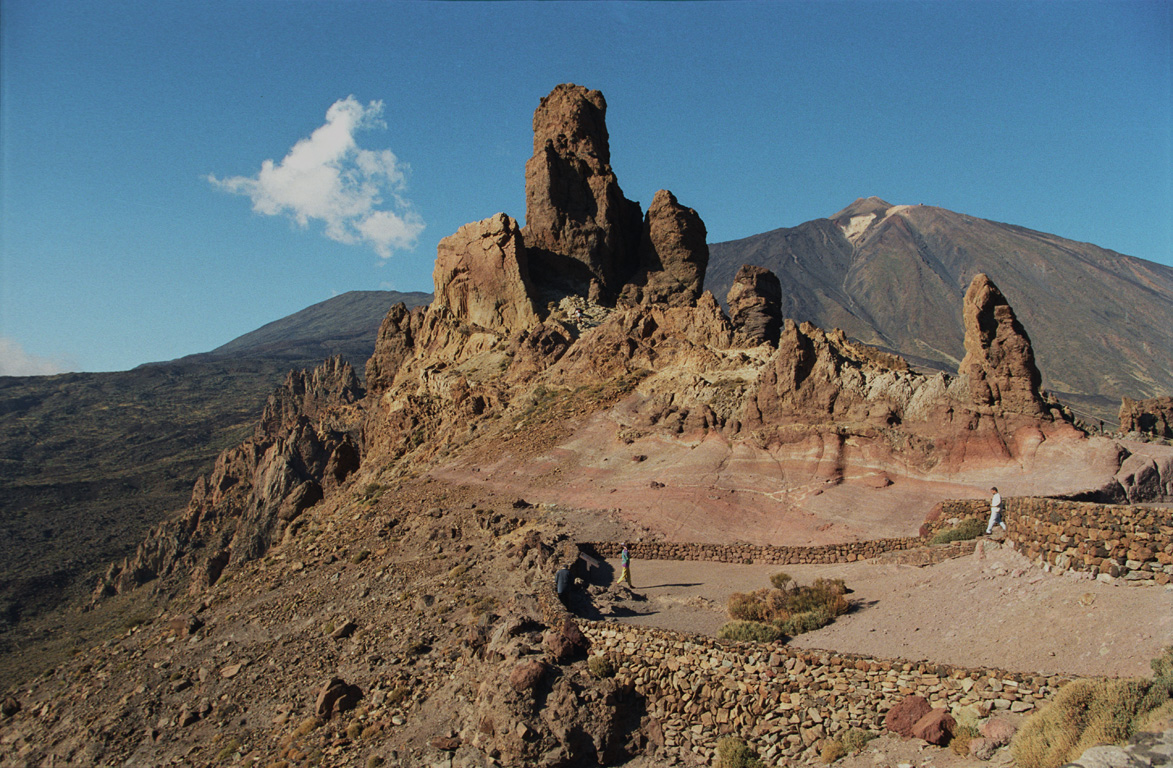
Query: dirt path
990	611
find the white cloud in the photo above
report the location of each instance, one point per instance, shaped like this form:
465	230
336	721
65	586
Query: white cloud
14	361
354	192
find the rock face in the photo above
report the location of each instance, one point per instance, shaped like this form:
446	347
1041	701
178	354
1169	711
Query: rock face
580	229
482	276
999	363
302	448
754	302
673	255
392	346
1148	417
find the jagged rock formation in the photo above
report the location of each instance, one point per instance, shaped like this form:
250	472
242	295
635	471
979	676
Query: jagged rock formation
393	344
754	302
999	363
580	229
673	255
1153	416
482	276
893	276
301	450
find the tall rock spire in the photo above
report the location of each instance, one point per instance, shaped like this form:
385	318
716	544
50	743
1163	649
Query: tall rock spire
999	363
581	232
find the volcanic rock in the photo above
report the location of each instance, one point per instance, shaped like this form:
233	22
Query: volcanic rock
300	449
673	255
335	697
999	731
527	674
754	302
482	276
579	229
936	727
906	714
393	345
999	363
1148	417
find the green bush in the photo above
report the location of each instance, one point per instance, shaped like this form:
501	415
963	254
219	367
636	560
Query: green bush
781	580
969	528
732	752
750	631
855	739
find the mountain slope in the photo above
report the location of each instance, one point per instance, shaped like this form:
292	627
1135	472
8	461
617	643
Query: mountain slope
892	276
343	325
90	461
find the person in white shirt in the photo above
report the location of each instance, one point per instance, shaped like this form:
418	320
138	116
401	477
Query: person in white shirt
995	512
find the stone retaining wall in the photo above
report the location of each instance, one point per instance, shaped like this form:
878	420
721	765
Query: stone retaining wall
1114	540
784	701
757	554
1132	542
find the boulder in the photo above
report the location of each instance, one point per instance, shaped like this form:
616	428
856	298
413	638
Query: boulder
982	748
999	731
335	697
936	727
527	674
566	642
906	714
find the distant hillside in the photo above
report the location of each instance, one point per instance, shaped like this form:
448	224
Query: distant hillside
344	325
893	276
90	461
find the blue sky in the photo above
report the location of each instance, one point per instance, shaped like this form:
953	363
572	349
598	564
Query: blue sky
139	220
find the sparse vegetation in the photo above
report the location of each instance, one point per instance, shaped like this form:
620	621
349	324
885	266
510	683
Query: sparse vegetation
1088	713
969	528
601	666
787	609
750	631
732	752
963	734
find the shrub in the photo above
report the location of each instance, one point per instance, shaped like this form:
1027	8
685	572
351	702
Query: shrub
831	750
855	739
1084	714
750	631
969	528
601	666
781	580
791	608
732	752
962	735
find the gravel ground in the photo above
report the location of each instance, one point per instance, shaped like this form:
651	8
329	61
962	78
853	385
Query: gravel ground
991	609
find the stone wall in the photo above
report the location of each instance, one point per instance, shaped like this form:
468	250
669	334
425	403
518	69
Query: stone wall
1131	542
784	701
749	554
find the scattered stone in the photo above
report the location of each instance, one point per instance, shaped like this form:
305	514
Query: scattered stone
344	631
527	674
999	730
